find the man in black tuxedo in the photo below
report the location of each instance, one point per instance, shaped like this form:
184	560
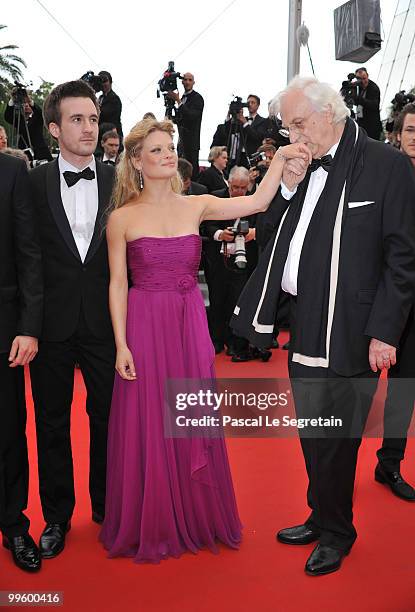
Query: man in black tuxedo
225	281
189	118
345	252
399	404
368	103
71	196
254	126
21	295
110	104
110	143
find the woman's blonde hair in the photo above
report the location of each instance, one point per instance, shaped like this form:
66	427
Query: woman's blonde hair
127	180
216	152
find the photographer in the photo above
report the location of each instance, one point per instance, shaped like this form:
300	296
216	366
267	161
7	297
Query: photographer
189	118
399	404
110	103
261	161
367	100
26	117
225	281
254	126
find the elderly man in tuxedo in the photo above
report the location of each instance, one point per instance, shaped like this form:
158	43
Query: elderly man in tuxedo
71	196
345	253
21	296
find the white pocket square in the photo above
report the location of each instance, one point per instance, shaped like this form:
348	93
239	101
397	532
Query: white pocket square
357	204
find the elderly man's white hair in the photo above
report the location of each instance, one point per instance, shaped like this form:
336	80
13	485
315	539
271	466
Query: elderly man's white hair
321	96
238	172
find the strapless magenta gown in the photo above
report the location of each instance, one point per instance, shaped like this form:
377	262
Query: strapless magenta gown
164	495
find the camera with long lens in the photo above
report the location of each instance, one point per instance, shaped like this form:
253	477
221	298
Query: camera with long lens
19	94
254	164
94	80
400	100
168	82
236	106
350	89
240	229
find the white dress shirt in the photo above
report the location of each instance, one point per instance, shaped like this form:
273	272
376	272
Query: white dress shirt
111	159
81	205
315	187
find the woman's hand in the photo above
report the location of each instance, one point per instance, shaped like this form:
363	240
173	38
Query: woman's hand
124	364
297	150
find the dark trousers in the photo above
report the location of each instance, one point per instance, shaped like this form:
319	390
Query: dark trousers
14	468
331	458
188	151
52	375
225	288
399	404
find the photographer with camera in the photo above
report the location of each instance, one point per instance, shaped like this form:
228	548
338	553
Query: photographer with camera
254	126
399	404
226	268
260	161
109	103
367	99
189	118
26	118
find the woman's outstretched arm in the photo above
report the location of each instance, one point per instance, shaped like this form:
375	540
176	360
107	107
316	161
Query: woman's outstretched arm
218	208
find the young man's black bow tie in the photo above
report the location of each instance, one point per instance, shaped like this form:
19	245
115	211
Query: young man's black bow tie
72	178
325	163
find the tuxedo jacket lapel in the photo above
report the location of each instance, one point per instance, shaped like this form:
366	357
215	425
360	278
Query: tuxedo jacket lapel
104	194
53	187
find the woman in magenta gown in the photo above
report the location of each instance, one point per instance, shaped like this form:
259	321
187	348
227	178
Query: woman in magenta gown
164	495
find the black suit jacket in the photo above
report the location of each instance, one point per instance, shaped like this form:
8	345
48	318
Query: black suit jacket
196	189
21	290
189	119
371	114
254	134
111	107
376	276
70	283
35	128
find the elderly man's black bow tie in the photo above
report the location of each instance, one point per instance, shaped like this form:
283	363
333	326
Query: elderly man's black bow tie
72	178
325	163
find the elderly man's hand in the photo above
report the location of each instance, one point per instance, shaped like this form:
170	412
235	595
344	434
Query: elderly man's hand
294	172
381	355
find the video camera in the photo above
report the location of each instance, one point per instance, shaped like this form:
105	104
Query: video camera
19	94
350	89
254	163
168	82
236	106
401	99
94	80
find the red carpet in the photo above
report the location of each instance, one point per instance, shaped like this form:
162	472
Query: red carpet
263	575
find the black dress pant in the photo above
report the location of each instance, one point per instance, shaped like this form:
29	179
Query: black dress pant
331	456
225	287
399	404
14	468
52	374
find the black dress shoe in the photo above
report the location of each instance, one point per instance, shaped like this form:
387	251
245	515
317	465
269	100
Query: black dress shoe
286	346
52	540
396	483
25	552
274	344
218	347
300	534
97	518
324	560
230	351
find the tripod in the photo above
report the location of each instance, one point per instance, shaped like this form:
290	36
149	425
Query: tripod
21	135
236	143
